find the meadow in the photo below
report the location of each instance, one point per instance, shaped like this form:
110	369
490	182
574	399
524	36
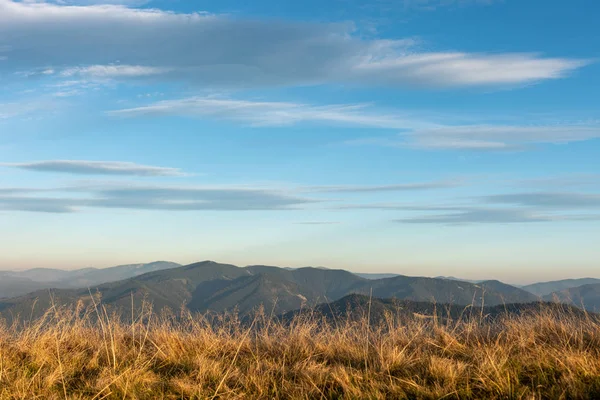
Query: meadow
88	353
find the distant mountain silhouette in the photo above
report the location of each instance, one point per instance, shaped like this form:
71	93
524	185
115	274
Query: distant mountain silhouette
16	283
209	286
546	288
355	307
11	286
587	296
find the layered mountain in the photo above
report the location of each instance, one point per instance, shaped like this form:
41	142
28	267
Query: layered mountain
11	286
356	307
209	286
546	288
16	283
448	291
586	296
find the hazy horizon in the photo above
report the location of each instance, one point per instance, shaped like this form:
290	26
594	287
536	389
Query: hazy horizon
421	137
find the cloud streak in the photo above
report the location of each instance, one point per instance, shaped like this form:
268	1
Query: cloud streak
493	216
497	209
403	187
271	113
96	168
418	131
549	200
28	108
317	223
485	137
38	204
217	50
68	200
113	71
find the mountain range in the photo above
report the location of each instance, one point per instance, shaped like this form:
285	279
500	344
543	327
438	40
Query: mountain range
586	296
546	288
355	307
210	286
16	283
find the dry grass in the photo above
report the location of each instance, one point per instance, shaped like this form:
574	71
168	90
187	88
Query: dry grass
77	355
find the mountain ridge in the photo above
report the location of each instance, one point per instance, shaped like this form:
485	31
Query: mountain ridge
210	286
585	296
546	288
16	283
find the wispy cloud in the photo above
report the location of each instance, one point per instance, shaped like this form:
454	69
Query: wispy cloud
494	216
561	181
546	201
485	137
462	69
431	5
187	198
218	50
271	113
496	209
318	223
113	71
130	195
420	130
38	204
565	200
402	187
95	168
26	108
474	213
130	3
508	208
398	207
15	190
136	197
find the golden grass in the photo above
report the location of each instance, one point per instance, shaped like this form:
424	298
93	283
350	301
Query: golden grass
78	355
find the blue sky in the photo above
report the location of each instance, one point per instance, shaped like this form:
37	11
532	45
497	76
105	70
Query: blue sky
422	137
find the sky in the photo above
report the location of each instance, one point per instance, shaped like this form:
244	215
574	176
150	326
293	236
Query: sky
418	137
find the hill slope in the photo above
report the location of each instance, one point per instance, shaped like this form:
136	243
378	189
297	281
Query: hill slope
448	291
359	307
587	296
17	283
11	286
545	288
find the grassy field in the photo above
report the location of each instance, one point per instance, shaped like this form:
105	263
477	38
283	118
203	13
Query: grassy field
77	355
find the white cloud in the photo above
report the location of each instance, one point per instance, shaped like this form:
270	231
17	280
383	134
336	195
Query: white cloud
401	187
223	51
486	137
130	3
461	69
137	197
317	223
495	216
26	108
552	200
561	181
266	113
431	5
418	130
114	71
81	167
496	209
